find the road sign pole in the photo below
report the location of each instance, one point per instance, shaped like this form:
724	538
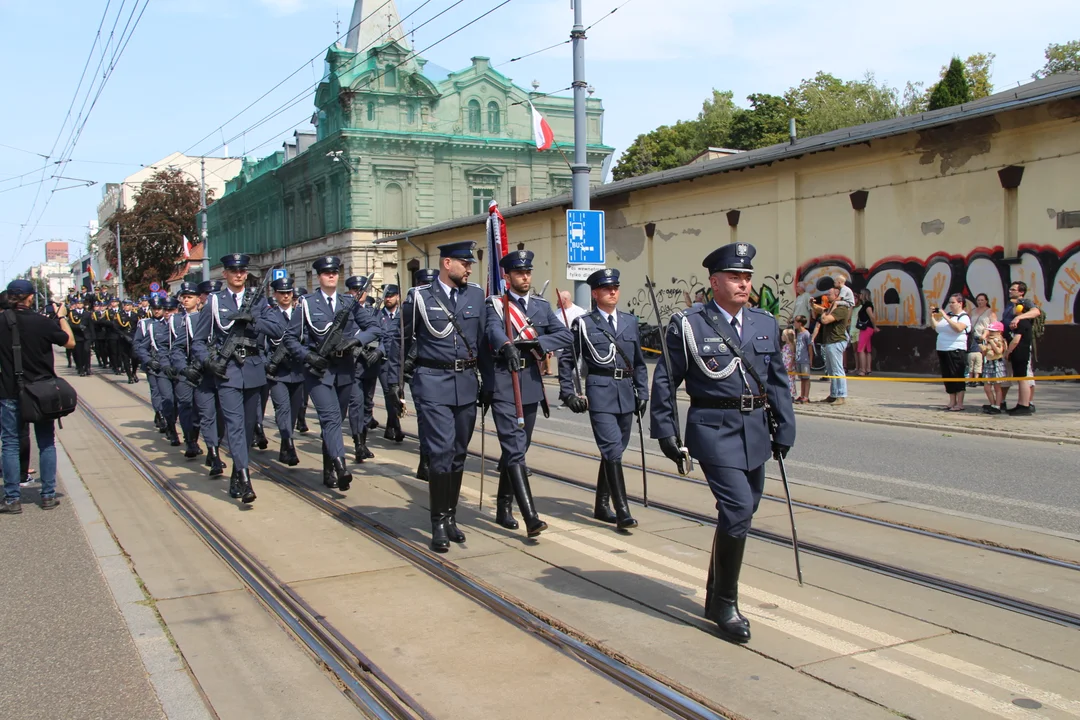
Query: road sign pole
580	168
202	222
119	265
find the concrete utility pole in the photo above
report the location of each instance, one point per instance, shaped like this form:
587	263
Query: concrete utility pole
119	265
580	168
202	222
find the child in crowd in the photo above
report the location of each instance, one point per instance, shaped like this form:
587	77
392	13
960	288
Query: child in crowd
788	353
993	349
847	297
804	352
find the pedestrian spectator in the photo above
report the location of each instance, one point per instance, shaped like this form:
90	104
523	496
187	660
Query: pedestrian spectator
834	336
804	355
866	324
37	335
952	327
993	348
1018	319
802	300
787	352
981	316
573	311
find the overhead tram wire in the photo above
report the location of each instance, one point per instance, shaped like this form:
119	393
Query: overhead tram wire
122	43
603	17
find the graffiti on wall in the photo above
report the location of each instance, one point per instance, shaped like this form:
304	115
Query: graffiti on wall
904	289
668	297
770	293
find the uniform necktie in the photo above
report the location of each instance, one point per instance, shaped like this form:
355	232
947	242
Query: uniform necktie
236	299
453	298
523	305
735	326
330	302
611	322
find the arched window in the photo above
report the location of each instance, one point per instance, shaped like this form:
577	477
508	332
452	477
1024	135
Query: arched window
371	112
494	118
390	76
410	114
474	116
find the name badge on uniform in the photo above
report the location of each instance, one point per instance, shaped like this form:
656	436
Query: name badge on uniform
762	337
713	340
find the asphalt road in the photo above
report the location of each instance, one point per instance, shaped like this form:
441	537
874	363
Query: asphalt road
1018	481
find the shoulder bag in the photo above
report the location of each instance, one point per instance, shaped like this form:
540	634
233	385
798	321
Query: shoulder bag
40	400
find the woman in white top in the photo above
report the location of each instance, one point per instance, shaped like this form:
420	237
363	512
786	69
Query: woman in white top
952	328
981	317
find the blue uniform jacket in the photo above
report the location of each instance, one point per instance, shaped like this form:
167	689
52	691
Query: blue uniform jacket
726	438
311	323
291	369
212	328
152	341
553	335
430	330
390	324
594	351
181	333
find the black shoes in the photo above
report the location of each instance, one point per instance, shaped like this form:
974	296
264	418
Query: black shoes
422	467
372	424
504	503
519	481
341	473
260	437
193	449
1020	410
393	431
360	451
301	426
329	477
10	508
287	453
235	491
247	495
439	488
452	496
722	588
616	483
363	446
49	503
171	436
602	505
213	459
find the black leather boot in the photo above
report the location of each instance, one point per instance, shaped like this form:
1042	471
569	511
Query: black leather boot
159	422
260	437
235	491
602	504
393	430
438	489
329	479
247	494
616	483
452	497
358	449
504	503
363	446
173	438
217	467
283	452
301	425
372	424
341	473
722	597
288	454
422	467
519	481
192	449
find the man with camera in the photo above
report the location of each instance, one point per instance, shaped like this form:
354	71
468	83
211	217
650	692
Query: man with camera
37	334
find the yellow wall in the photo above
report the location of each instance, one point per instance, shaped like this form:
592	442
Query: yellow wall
930	193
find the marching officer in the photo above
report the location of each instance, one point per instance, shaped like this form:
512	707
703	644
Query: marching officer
362	396
534	332
125	321
112	334
152	348
284	374
207	407
228	322
607	357
444	330
389	319
144	307
421	278
101	341
82	329
328	327
182	332
729	357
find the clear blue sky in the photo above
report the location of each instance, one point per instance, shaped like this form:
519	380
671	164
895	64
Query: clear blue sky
193	64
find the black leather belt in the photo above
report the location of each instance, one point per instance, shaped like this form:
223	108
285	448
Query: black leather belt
746	403
455	365
527	360
617	373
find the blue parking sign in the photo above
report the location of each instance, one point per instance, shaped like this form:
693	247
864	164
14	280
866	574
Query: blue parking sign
585	237
278	274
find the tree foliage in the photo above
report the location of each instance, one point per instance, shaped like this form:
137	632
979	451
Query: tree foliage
952	89
1060	58
151	233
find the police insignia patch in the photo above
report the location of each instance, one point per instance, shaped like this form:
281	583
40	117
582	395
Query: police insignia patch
742	249
705	348
722	348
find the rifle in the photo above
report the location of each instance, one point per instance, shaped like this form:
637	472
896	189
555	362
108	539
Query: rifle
280	353
219	359
689	465
333	341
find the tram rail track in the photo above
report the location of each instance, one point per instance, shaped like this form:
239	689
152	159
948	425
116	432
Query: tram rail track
662	692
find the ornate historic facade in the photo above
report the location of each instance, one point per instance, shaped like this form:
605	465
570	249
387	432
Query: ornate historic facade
396	146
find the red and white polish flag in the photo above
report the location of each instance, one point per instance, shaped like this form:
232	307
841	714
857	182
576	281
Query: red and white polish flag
185	247
542	135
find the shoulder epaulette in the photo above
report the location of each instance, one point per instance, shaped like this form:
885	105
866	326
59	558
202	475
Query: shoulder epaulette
761	311
692	310
475	286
